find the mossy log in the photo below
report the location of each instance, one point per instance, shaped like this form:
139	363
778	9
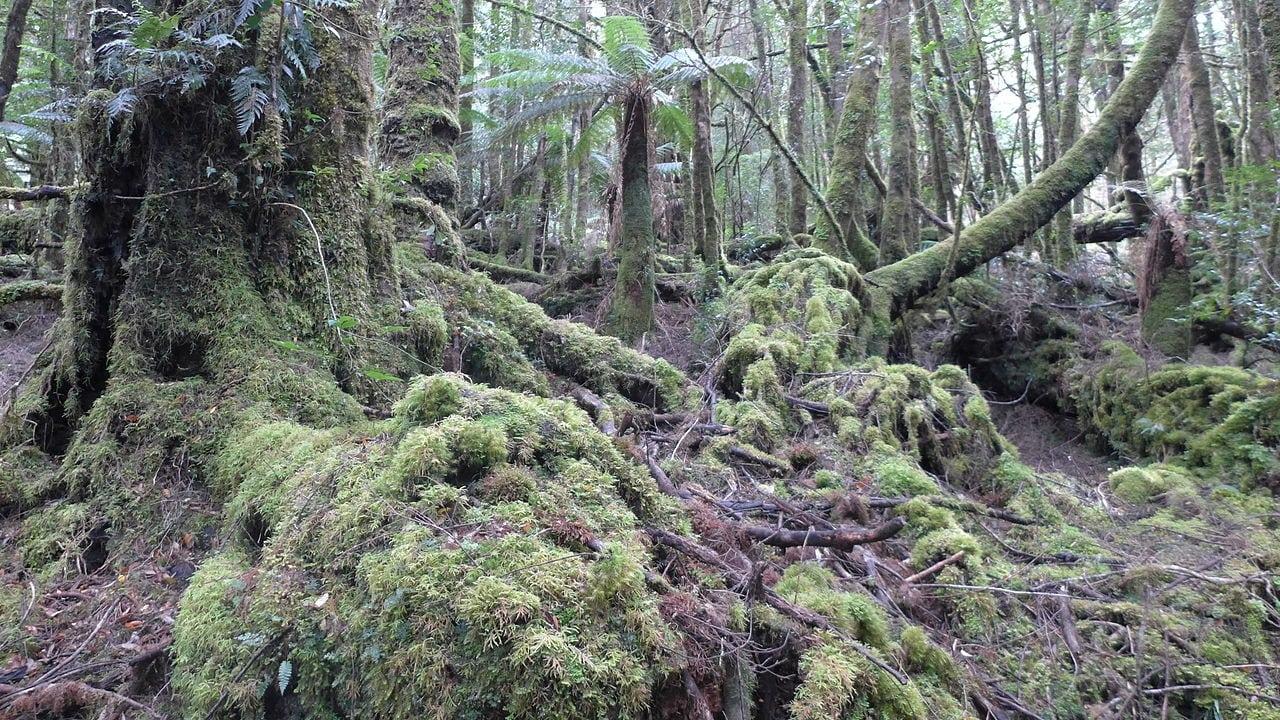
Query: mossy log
13	292
1105	227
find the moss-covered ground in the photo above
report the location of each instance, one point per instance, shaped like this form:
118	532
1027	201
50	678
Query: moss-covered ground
489	541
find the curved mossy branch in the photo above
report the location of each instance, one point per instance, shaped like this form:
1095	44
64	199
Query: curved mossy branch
909	279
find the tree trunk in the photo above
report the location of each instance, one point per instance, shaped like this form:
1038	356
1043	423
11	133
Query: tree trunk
467	49
907	280
900	222
706	237
1204	121
420	122
15	27
778	166
797	92
1261	137
858	121
1071	112
631	309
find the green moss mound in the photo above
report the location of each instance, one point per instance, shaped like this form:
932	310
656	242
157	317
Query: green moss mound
477	553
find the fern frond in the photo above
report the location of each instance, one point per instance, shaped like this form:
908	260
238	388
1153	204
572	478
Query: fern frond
249	95
683	66
596	134
627	48
17	130
670	119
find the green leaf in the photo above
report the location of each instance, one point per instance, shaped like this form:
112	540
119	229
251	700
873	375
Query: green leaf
289	345
378	374
343	322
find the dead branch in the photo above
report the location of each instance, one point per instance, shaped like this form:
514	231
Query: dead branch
839	538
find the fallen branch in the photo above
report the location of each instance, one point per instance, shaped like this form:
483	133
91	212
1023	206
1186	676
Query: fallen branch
598	408
934	569
840	538
736	579
36	194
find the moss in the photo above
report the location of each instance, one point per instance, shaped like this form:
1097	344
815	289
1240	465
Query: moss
508	615
20	230
1143	484
838	683
943	543
812	586
897	476
53	533
922	656
1219	421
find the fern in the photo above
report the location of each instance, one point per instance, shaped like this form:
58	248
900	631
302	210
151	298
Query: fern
249	95
284	675
626	45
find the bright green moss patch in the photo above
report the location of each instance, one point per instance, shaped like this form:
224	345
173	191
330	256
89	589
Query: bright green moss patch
455	543
813	587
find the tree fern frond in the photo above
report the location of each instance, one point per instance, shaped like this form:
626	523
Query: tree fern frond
627	48
684	66
567	63
671	119
597	133
545	109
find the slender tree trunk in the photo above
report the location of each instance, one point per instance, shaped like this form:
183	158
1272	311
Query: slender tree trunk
1071	112
797	92
1020	75
900	221
706	230
467	49
1204	120
1132	174
631	309
836	69
767	90
939	165
858	121
988	142
1261	137
15	27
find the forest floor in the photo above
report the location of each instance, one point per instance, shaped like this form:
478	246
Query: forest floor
22	335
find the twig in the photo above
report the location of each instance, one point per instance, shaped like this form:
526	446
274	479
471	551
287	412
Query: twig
934	569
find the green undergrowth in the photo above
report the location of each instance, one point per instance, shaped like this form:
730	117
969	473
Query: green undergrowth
1217	422
438	563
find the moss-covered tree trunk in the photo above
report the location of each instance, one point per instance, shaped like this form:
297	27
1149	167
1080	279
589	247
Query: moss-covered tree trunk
899	221
1070	129
706	230
15	28
420	121
631	307
797	91
1212	189
858	119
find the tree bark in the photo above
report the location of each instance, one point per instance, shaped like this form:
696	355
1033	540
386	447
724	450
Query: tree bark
899	221
1204	120
907	280
1071	108
706	230
15	27
420	120
631	308
797	91
858	120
